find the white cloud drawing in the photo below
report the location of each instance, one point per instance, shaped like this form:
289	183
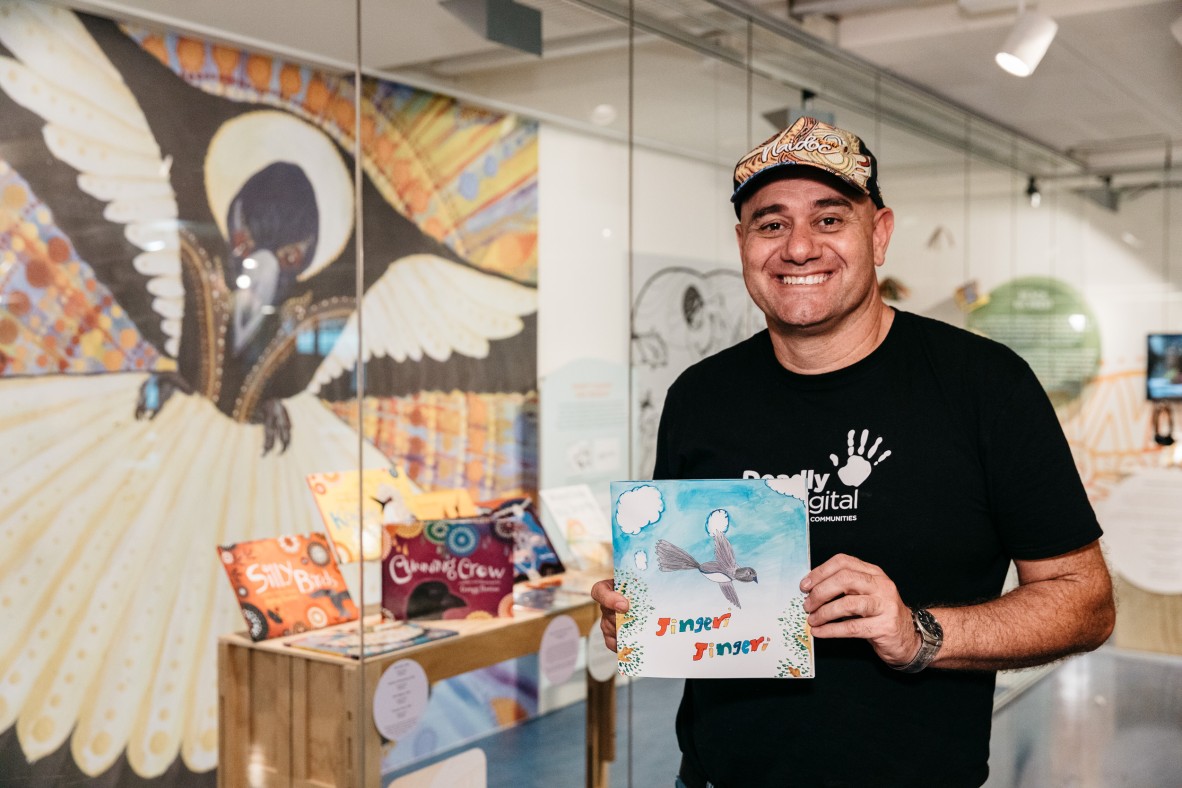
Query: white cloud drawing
718	522
641	559
796	486
639	507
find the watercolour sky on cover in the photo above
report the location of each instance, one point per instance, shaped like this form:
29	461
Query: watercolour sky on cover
711	570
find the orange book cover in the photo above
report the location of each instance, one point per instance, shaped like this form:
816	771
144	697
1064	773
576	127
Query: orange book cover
287	584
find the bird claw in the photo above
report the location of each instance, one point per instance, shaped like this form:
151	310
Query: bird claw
156	391
276	426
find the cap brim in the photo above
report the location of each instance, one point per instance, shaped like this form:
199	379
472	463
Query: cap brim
792	169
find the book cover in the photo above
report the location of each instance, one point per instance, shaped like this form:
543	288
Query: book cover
534	553
355	523
582	522
381	640
711	570
287	584
447	569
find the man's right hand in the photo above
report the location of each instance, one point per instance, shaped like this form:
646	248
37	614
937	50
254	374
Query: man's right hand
610	603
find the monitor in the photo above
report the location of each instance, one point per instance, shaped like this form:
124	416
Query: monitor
1163	379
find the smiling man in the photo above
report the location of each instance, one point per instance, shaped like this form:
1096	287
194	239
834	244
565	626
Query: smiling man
932	459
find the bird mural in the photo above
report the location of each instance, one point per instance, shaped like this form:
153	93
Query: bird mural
723	570
181	318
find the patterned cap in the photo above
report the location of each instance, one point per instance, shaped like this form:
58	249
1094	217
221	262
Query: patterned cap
810	143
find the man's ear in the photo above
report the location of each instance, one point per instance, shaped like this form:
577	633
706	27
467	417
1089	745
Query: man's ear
884	226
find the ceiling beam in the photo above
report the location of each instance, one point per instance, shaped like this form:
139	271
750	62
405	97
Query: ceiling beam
841	7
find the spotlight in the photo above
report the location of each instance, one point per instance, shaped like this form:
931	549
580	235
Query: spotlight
1033	193
1027	42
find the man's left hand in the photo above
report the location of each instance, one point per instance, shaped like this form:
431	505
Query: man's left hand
849	598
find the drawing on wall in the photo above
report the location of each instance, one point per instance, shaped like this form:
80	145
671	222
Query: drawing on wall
680	315
178	336
711	569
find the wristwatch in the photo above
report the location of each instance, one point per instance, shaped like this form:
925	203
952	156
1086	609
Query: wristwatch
931	636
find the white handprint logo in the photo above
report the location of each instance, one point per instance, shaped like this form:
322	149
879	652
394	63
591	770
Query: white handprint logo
858	465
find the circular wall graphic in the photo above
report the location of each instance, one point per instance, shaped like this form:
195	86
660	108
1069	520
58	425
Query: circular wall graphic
1046	322
559	652
400	699
1142	529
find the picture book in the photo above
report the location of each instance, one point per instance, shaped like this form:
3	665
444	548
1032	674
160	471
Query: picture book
582	523
355	523
534	553
448	569
711	570
287	584
379	640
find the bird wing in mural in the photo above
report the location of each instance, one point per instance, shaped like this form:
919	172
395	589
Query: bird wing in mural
428	306
109	592
94	124
281	196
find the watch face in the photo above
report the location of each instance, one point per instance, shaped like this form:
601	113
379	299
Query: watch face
929	625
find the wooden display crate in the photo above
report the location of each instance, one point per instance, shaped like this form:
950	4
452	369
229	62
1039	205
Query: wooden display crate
298	719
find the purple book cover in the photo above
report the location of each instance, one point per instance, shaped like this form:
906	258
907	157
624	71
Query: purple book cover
448	569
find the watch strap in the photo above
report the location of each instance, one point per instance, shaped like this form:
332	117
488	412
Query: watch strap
931	637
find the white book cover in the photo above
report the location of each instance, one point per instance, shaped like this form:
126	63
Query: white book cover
711	569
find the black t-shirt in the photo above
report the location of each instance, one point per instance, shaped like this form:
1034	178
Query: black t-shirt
939	458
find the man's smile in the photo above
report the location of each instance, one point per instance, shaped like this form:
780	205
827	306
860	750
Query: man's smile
811	279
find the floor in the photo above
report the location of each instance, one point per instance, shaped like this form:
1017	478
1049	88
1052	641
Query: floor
1106	719
1103	720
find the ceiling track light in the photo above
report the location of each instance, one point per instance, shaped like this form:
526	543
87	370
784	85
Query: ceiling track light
1033	193
1026	44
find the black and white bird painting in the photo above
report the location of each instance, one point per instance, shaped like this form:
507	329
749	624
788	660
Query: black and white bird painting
211	237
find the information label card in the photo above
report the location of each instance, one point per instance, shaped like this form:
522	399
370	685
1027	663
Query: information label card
711	570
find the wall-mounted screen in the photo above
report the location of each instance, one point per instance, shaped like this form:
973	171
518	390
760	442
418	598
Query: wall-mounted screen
1163	379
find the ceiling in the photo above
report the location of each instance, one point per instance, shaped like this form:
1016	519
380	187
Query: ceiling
1107	97
1108	92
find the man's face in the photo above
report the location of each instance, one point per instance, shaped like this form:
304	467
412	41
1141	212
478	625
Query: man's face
809	253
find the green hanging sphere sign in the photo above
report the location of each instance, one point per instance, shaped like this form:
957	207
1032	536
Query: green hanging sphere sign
1046	322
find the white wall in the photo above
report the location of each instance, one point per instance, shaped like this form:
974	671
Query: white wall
680	210
1115	260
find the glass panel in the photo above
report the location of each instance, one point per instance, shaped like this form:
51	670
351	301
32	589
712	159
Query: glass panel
176	205
496	247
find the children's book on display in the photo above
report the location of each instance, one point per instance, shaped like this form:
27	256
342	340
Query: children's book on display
535	554
448	569
355	505
375	640
711	570
287	584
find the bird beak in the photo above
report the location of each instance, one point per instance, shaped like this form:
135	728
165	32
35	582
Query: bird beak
255	287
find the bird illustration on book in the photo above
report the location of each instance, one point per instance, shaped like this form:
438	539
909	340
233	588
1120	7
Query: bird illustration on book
431	600
338	598
724	569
